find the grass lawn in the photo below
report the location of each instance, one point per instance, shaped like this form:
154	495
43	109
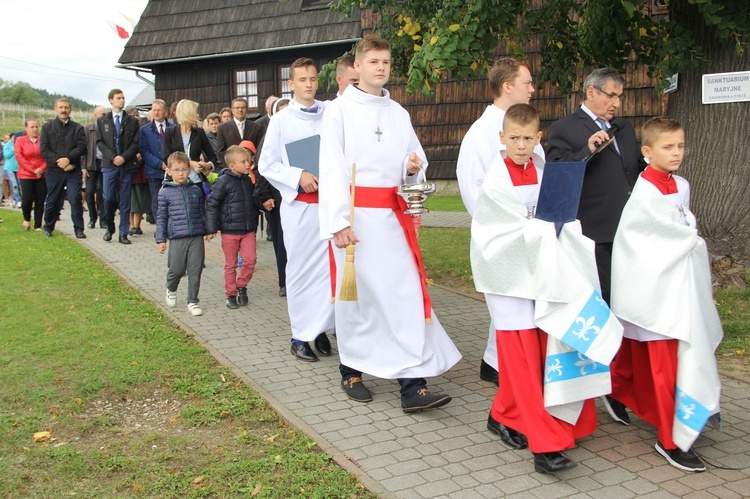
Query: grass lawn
103	396
446	258
445	203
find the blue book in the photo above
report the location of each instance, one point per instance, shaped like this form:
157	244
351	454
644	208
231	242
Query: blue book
305	154
560	192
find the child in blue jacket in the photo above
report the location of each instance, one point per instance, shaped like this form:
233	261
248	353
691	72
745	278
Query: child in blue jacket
180	219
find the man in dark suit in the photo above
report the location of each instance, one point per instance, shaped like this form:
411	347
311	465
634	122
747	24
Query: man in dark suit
611	174
117	138
150	139
92	172
63	144
237	129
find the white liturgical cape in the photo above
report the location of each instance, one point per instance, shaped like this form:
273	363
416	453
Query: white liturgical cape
384	332
480	147
308	275
661	289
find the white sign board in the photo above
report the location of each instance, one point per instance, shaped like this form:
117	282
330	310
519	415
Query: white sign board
720	88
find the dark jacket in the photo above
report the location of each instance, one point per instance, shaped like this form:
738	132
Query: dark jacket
199	144
232	207
228	135
60	140
89	161
150	144
105	141
609	176
181	212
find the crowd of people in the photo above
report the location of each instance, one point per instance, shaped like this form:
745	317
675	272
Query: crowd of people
569	319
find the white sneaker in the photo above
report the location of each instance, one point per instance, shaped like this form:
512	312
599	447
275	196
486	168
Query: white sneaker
195	309
171	298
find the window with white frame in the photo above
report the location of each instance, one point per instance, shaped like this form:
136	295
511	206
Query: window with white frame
246	86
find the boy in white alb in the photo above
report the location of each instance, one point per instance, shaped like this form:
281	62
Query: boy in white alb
553	329
308	275
390	331
510	82
665	370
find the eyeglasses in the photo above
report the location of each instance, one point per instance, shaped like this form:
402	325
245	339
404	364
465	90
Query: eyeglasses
612	96
180	170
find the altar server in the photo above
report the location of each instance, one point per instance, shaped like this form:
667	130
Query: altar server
390	331
666	370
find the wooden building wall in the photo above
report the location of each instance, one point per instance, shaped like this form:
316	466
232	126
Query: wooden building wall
209	82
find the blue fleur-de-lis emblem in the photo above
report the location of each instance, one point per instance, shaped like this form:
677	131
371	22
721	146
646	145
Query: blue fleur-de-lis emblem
687	410
585	363
555	368
586	326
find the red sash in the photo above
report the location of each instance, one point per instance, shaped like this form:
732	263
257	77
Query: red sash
307	197
387	197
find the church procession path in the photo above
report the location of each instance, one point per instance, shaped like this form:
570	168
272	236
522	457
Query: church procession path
446	452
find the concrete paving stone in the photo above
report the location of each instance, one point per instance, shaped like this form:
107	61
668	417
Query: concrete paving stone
613	476
521	467
375	462
553	490
362	442
597	464
634	464
661	494
640	486
699	495
484	449
427	450
583	483
457	469
455	455
480	463
739	486
616	491
438	488
449	444
377	448
435	460
463	493
700	481
342	414
723	492
402	432
676	488
404	466
399	483
409	494
599	444
427	437
611	455
635	449
406	454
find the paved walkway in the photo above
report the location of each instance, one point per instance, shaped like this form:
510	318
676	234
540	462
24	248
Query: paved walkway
443	453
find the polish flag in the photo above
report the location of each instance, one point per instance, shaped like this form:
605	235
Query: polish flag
121	32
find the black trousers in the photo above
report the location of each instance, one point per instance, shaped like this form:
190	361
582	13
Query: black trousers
94	195
57	181
33	193
274	224
409	386
603	254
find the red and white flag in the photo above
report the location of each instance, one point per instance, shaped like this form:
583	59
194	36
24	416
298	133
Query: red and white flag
121	32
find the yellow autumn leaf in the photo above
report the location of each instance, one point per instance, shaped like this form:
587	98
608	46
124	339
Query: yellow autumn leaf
198	480
454	27
433	40
643	32
416	37
41	436
258	487
273	437
407	20
400	18
473	65
279	459
559	45
417	48
400	32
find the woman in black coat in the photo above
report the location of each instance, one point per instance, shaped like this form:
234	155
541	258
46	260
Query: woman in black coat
189	138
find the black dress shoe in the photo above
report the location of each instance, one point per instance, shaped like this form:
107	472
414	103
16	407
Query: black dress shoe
80	234
150	219
424	400
552	462
303	352
356	390
91	225
138	231
107	236
47	233
124	240
488	373
282	291
510	437
132	231
323	345
616	409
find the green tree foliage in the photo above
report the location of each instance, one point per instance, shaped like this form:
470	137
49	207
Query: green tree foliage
434	39
23	94
19	93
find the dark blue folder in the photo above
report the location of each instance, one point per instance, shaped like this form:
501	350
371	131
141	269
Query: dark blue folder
560	192
305	154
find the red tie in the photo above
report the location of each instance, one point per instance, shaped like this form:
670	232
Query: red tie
161	130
